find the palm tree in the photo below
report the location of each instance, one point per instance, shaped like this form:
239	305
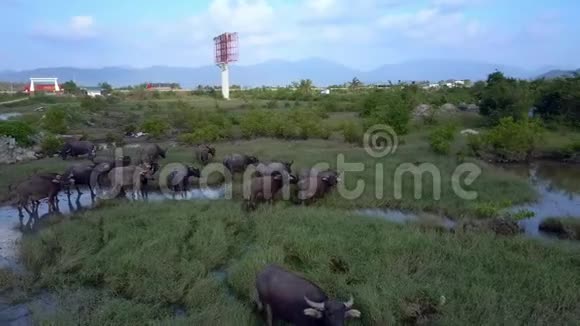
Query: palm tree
355	83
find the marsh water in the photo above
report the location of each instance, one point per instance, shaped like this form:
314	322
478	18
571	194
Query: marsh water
9	115
557	185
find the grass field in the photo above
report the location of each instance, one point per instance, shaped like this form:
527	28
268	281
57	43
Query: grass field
134	263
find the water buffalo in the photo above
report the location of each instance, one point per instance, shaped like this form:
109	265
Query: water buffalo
237	163
178	180
113	163
77	148
38	187
81	173
130	177
294	299
152	154
204	153
265	188
316	185
268	168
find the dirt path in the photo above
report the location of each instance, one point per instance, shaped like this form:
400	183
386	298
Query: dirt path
14	101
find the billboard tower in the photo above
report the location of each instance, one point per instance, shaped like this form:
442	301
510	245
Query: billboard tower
226	51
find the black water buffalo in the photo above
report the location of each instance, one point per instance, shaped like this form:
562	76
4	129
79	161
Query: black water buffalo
178	180
237	163
38	187
204	153
265	188
268	168
81	173
113	163
130	177
294	299
316	184
151	153
78	147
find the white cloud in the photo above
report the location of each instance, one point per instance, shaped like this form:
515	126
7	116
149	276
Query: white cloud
77	28
364	33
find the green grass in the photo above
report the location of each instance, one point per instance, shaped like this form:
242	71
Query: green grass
132	263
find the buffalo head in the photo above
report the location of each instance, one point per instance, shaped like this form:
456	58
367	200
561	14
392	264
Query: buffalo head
193	172
332	312
252	160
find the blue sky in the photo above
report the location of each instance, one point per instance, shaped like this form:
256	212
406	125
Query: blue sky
362	34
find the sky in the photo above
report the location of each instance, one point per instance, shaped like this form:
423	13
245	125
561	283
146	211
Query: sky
362	34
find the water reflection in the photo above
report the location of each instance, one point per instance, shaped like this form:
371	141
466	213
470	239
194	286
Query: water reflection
558	187
7	116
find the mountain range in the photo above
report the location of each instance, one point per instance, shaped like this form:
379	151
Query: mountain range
560	74
276	73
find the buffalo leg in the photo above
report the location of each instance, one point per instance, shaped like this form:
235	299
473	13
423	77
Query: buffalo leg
79	192
269	319
92	192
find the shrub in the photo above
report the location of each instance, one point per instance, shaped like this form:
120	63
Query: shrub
207	134
116	139
329	104
352	132
255	123
55	120
442	137
93	104
51	144
273	104
18	130
513	140
397	116
155	127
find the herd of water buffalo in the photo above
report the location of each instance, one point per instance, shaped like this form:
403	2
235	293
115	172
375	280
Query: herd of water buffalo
141	175
281	294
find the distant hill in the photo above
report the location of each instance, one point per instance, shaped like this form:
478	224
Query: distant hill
559	74
274	73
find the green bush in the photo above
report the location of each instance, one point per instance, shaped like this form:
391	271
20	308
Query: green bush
442	137
155	127
55	120
513	140
209	133
273	104
93	104
51	144
397	116
352	132
256	123
18	130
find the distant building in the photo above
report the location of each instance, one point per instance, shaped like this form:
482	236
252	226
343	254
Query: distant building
325	91
162	86
43	85
92	91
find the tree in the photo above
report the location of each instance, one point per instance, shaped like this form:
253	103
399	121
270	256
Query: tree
70	87
303	88
106	87
504	97
355	83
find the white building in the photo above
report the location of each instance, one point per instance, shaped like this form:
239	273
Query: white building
93	91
